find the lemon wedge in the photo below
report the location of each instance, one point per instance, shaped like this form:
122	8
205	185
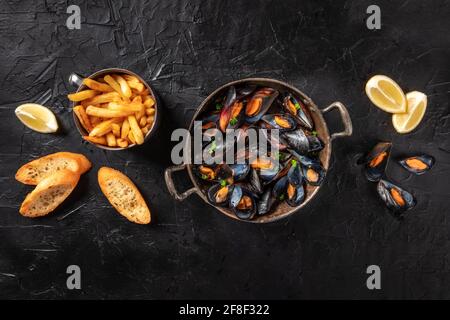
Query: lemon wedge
37	117
386	94
417	105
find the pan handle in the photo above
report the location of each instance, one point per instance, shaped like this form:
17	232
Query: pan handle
348	127
171	186
75	80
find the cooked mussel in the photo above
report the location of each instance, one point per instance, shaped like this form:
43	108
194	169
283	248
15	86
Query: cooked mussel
418	164
395	197
376	161
205	172
296	108
265	203
295	194
243	203
219	194
313	174
227	108
259	103
280	121
279	188
255	184
237	172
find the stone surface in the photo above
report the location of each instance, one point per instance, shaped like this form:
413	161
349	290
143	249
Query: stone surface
185	49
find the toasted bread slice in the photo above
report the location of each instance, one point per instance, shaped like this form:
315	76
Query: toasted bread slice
35	171
123	195
49	193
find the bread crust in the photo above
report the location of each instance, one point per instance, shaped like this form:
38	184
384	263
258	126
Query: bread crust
106	175
82	165
66	178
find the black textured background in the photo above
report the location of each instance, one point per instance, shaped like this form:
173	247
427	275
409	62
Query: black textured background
186	49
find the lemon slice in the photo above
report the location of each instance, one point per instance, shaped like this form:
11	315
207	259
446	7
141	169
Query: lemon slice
386	94
417	105
37	117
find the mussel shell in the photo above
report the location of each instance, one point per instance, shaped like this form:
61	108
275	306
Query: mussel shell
279	188
425	160
225	114
235	198
255	184
318	169
296	140
270	119
295	175
265	203
198	172
376	161
239	171
385	188
268	95
315	144
298	196
245	91
301	114
212	191
239	118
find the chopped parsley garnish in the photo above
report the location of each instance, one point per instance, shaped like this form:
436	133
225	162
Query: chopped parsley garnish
233	121
213	147
204	176
294	163
218	106
223	183
281	198
297	105
314	133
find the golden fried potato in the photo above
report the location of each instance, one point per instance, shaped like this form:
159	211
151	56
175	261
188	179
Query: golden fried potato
95	85
82	95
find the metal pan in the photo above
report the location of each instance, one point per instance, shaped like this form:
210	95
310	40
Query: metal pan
282	210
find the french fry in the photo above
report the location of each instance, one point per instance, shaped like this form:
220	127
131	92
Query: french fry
131	78
133	107
113	83
143	121
138	86
122	143
116	129
83	117
111	140
150	119
107	113
131	137
145	130
82	95
95	121
124	87
137	133
95	85
95	140
103	127
125	129
145	93
149	102
150	111
103	98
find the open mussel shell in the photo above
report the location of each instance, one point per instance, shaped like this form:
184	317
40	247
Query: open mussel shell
206	172
295	194
280	121
313	174
418	164
243	203
237	172
259	103
226	111
394	197
265	203
296	140
219	195
279	188
245	91
296	108
295	174
376	161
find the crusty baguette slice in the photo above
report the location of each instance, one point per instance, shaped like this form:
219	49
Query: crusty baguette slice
35	171
49	193
123	195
